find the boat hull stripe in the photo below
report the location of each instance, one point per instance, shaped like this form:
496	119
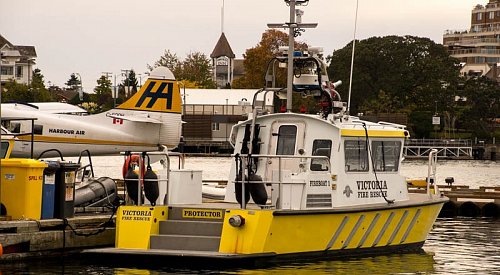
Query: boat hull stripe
353	231
411	225
337	233
398	227
369	230
384	228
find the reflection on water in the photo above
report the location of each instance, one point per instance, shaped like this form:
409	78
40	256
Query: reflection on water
455	246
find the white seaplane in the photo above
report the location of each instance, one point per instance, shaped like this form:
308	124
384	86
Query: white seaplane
148	120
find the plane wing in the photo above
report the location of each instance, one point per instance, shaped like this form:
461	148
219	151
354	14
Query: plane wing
135	118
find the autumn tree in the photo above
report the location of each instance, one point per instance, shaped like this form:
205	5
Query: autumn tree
256	59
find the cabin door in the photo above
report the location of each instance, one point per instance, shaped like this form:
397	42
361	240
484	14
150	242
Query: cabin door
286	140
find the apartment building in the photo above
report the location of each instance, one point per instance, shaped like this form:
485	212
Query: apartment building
478	48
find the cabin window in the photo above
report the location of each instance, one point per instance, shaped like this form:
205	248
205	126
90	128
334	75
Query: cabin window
356	156
4	149
38	129
386	155
287	136
321	147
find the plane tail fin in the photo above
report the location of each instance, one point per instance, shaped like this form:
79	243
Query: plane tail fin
160	93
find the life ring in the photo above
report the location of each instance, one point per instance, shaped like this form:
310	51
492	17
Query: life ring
129	159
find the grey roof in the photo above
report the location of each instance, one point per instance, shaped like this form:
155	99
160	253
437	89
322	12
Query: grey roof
222	48
25	51
4	41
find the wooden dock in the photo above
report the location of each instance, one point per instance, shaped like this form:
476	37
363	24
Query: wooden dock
21	239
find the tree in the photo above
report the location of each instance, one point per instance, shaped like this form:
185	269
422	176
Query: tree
482	106
103	96
34	92
169	60
408	73
411	70
256	60
196	68
73	82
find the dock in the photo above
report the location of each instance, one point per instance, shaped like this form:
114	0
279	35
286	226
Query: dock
22	239
468	202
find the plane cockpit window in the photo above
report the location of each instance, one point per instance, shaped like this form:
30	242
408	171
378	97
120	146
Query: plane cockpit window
13	127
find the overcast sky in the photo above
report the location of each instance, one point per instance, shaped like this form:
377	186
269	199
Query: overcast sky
94	36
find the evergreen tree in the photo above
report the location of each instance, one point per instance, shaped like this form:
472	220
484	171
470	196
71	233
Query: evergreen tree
73	82
103	96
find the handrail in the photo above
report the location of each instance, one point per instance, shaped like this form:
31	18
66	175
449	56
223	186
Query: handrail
166	166
280	182
431	173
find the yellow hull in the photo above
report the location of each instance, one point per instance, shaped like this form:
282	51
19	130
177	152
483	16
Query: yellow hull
269	233
285	232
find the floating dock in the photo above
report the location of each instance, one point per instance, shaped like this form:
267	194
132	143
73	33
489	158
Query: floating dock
468	202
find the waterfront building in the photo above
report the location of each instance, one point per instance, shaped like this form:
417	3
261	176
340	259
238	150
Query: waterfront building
478	48
225	66
19	68
211	113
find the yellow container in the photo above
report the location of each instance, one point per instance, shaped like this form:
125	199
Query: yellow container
21	187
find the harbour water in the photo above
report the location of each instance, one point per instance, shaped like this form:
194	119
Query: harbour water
454	246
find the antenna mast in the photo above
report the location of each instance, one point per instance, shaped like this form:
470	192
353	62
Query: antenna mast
222	18
294	29
352	58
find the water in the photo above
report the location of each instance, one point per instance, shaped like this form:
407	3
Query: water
454	246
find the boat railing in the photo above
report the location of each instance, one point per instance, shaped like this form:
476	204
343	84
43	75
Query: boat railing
165	162
302	167
431	173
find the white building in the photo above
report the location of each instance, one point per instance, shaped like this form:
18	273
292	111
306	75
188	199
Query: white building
17	62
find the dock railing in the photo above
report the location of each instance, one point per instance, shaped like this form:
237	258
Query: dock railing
447	148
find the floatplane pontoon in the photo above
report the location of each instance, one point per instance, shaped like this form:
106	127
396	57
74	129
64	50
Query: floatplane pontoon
301	186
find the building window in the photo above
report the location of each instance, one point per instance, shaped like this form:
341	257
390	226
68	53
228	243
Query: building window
215	126
479	16
356	156
287	136
19	71
491	15
7	70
